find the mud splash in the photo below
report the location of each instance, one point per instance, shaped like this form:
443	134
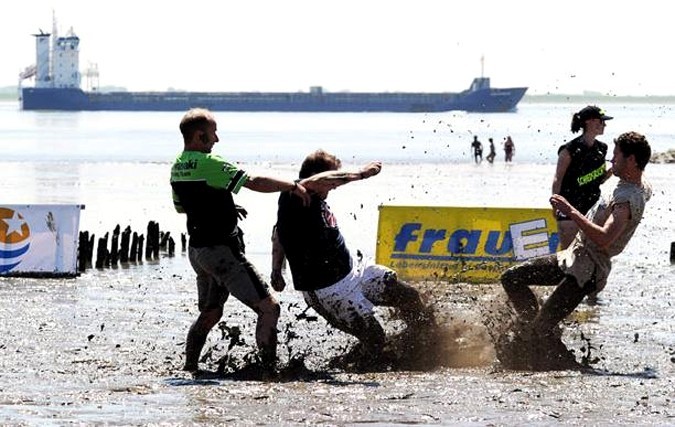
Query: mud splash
448	341
517	347
473	327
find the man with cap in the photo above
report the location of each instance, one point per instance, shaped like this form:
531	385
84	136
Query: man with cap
581	168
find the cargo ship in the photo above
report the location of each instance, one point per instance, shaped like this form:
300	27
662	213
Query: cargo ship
57	86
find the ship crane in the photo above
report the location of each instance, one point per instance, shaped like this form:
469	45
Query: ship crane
91	75
28	72
31	70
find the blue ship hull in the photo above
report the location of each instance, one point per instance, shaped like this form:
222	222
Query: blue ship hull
62	91
480	98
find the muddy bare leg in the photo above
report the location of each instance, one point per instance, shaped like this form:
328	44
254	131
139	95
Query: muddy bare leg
268	311
197	334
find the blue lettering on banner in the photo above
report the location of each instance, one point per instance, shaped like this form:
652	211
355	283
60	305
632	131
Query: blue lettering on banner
415	242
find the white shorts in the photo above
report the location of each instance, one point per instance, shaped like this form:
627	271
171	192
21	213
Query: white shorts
352	297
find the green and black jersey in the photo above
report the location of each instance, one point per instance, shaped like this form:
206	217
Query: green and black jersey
202	187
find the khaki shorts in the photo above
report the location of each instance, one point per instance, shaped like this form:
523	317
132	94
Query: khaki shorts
353	297
222	271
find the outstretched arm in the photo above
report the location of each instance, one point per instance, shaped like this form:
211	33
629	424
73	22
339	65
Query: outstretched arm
602	235
326	181
264	184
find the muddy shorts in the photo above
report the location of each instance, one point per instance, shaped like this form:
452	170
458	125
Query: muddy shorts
352	297
222	271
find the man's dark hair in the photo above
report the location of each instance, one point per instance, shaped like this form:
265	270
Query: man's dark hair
633	143
317	162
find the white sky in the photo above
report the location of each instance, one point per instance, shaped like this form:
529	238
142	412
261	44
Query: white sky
614	47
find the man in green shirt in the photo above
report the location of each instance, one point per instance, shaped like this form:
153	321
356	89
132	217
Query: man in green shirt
203	184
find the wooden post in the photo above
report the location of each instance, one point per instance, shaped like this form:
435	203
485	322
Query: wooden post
134	247
114	250
155	240
90	248
82	250
165	236
124	249
148	244
172	246
140	247
102	252
152	245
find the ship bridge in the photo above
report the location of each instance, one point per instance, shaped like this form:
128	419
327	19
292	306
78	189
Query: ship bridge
480	83
57	61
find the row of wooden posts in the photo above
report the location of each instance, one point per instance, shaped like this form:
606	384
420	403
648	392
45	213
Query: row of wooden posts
125	247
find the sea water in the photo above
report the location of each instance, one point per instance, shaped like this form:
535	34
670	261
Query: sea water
537	130
117	164
107	347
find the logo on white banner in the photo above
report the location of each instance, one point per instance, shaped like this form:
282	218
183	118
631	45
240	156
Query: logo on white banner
14	238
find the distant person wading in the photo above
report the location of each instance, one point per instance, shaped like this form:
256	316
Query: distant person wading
491	157
477	148
509	149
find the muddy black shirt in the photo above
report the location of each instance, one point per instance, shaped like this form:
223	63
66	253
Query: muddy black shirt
202	187
581	183
312	242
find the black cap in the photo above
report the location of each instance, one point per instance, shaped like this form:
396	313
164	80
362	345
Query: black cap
593	112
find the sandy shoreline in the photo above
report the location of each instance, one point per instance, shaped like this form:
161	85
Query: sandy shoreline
106	348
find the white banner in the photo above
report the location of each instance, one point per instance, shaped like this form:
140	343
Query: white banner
39	239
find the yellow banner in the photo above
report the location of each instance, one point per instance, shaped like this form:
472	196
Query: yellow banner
461	244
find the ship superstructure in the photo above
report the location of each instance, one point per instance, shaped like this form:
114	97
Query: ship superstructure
57	61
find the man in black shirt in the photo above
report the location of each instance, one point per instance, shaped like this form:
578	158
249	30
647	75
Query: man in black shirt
321	265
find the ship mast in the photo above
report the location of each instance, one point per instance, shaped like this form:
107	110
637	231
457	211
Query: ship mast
52	53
